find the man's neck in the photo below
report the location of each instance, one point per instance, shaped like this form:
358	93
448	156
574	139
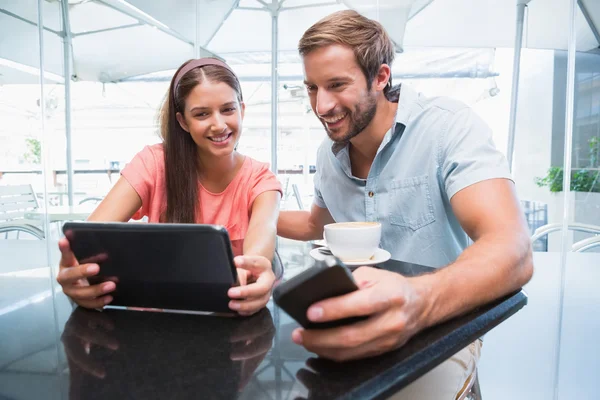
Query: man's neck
364	146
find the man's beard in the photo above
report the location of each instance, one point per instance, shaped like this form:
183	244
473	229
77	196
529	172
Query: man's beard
357	120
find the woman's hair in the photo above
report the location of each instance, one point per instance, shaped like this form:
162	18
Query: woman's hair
181	153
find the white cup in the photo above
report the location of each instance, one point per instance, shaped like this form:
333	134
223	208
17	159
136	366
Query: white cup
353	241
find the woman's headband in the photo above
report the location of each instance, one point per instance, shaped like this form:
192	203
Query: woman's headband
200	62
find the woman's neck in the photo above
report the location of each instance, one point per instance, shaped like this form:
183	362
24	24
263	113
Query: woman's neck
216	173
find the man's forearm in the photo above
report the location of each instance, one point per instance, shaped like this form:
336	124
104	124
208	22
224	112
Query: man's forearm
492	267
297	225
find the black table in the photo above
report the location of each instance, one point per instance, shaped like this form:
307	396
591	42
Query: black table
128	355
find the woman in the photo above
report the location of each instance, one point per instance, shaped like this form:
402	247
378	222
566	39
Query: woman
194	176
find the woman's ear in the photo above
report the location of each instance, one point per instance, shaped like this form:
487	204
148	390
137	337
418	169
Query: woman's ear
243	108
182	123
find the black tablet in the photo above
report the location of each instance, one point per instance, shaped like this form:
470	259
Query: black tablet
187	267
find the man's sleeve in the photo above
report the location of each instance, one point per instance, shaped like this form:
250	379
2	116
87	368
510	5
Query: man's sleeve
467	154
318	197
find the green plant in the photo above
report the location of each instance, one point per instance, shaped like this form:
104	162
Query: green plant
34	151
594	144
582	180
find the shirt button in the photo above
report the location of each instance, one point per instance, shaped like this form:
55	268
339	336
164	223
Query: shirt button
371	194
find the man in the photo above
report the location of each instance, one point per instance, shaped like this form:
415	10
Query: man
427	169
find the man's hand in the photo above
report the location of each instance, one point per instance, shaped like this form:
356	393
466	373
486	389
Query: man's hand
395	308
249	298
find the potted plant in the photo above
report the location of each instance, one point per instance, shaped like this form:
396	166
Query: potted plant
582	179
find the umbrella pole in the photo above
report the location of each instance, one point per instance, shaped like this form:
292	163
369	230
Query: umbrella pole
521	4
67	50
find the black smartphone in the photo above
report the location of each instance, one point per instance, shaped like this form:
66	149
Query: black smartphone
160	266
328	278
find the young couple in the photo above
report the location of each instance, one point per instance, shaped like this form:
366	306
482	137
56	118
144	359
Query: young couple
426	168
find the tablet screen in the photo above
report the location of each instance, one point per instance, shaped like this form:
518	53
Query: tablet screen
173	266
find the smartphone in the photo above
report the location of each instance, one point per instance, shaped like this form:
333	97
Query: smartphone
328	278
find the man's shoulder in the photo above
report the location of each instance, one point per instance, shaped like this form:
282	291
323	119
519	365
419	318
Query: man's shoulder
444	112
443	104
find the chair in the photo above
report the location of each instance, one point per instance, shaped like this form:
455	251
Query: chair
15	201
586	244
536	214
297	196
549	228
94	200
278	268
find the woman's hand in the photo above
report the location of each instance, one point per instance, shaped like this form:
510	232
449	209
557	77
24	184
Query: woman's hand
253	294
72	276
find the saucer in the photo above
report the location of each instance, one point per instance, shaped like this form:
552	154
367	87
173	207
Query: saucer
321	243
379	257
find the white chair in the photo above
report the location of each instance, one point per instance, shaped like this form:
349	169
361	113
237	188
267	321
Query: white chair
298	196
549	228
586	244
15	201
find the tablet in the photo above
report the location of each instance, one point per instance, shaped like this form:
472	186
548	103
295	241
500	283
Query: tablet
169	267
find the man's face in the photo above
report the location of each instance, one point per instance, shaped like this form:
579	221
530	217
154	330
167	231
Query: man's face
338	92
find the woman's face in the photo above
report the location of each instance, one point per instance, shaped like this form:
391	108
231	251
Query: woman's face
213	117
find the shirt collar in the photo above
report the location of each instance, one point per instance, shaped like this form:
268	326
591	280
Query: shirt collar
406	102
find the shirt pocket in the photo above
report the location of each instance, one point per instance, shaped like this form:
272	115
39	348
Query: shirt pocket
411	205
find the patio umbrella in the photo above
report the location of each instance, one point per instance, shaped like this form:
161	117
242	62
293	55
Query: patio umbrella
115	40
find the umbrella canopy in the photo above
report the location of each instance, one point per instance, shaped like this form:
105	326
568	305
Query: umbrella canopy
116	40
112	40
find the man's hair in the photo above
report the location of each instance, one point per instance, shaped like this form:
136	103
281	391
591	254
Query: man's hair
367	38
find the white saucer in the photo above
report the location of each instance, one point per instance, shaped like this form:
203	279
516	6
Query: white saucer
379	257
321	242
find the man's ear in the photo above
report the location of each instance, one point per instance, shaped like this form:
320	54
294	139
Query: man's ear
384	75
182	123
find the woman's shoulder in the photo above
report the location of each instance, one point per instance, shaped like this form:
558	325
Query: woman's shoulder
148	161
156	150
152	154
256	165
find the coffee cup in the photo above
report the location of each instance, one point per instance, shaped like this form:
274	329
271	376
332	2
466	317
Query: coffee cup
353	241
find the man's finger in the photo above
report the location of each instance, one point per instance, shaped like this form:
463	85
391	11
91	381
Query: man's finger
347	336
371	349
361	302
